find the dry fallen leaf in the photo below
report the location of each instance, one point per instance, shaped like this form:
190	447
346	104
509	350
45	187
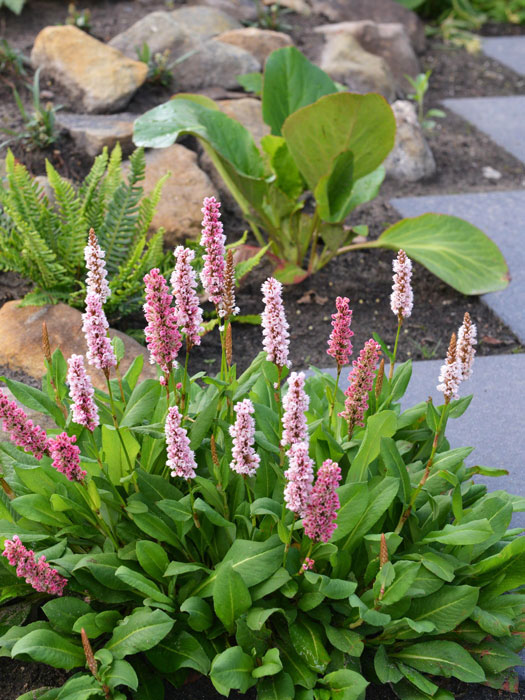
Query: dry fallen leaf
311	297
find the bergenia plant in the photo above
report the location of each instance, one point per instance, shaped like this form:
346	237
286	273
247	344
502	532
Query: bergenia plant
272	530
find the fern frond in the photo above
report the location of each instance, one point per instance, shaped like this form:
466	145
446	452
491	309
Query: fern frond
72	233
92	207
114	176
148	206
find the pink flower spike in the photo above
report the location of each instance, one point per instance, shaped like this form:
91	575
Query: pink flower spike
183	284
300	476
361	380
95	326
81	390
451	372
402	298
245	460
274	323
213	240
465	349
181	459
307	564
96	266
339	345
162	335
323	505
22	431
66	457
37	574
295	404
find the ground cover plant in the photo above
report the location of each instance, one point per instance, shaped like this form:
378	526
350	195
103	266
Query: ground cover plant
45	240
329	143
266	530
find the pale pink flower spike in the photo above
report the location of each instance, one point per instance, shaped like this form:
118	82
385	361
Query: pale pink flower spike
181	459
300	476
340	345
465	349
81	390
213	241
95	326
22	431
162	334
245	460
450	375
183	284
295	404
96	265
402	298
274	324
37	574
361	381
66	457
321	511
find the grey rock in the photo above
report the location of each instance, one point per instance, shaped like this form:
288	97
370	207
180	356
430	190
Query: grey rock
386	39
345	60
214	63
499	117
203	22
242	10
375	10
411	158
159	30
509	50
92	132
97	77
301	7
499	215
259	42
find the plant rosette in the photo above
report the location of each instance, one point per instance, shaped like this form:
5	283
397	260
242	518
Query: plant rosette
267	530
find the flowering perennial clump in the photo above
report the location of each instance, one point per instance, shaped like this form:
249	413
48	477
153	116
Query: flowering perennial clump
96	265
183	284
213	240
66	456
402	298
340	345
361	380
274	324
37	574
181	459
300	477
22	431
100	353
321	511
295	404
81	390
162	334
245	459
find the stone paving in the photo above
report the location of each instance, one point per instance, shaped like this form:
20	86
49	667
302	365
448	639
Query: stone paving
509	50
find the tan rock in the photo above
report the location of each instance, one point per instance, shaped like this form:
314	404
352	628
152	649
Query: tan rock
411	158
204	22
259	42
91	132
388	40
248	112
243	10
21	333
97	76
345	60
179	210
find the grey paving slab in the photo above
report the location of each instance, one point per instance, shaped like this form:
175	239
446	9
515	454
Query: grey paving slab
502	216
509	50
502	118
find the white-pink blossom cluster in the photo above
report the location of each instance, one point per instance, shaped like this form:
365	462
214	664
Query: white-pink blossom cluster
295	404
213	241
245	460
96	265
274	324
181	459
95	326
183	285
450	375
81	390
402	298
300	477
466	351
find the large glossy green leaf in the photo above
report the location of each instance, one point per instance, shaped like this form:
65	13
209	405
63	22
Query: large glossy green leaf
231	597
346	684
354	500
445	608
64	612
362	124
463	534
308	643
233	669
333	191
442	659
291	81
452	249
380	498
380	425
179	650
48	647
141	630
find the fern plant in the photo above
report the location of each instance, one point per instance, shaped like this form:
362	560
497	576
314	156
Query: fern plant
44	240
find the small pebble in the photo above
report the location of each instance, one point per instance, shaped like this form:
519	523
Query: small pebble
491	173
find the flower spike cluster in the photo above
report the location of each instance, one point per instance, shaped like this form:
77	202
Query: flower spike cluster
23	432
100	353
162	334
402	298
37	574
181	459
361	381
96	265
183	284
213	240
450	375
321	511
81	390
228	307
274	324
340	345
300	477
66	457
295	404
465	348
245	460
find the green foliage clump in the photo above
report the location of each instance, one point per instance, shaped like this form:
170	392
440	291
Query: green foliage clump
15	6
422	581
44	240
326	149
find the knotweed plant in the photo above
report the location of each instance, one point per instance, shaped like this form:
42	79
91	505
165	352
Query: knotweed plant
237	527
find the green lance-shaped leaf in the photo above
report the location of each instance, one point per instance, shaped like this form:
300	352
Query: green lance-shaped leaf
48	647
445	608
442	658
346	684
231	597
452	249
141	630
232	669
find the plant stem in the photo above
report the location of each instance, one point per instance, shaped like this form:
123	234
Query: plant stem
394	354
250	498
314	235
288	544
121	388
95	449
332	405
115	423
